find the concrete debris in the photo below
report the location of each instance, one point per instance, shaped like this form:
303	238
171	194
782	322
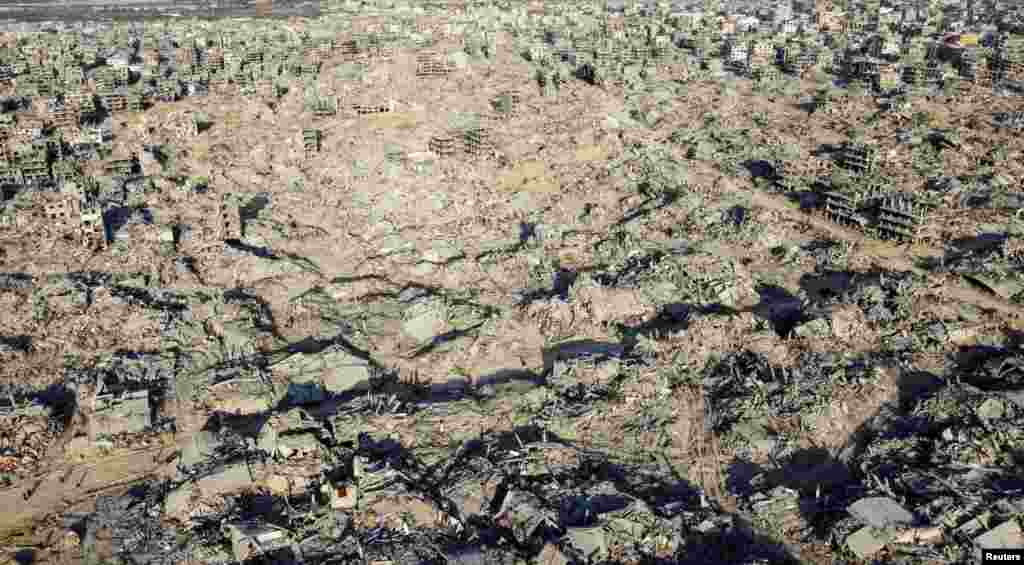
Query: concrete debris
881	513
231	478
1007	535
312	377
250	540
241	396
526	515
864	543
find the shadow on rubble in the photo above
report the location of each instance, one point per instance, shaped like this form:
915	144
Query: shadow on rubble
806	198
561	283
261	252
759	168
778	307
824	482
828	286
721	537
648	207
968	254
25	556
671	318
16	343
118	217
251	210
782	309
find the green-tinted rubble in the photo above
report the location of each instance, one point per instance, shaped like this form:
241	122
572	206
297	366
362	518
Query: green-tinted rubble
1007	535
311	377
242	396
129	413
200	447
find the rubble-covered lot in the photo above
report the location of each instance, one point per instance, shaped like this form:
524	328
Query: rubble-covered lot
607	332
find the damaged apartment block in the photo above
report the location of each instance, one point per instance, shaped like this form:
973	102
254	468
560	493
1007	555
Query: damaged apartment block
897	217
364	109
310	142
507	103
477	142
857	158
842	209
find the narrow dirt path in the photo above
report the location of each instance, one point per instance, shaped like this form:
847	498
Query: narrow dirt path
69	485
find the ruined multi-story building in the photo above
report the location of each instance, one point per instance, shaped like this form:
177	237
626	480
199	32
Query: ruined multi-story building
443	145
230	225
432	64
310	142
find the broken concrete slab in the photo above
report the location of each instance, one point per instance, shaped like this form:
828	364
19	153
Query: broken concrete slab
425	320
1007	535
201	445
177	502
238	334
225	480
394	244
400	509
880	512
265	267
293	420
442	252
864	543
526	514
312	376
991	409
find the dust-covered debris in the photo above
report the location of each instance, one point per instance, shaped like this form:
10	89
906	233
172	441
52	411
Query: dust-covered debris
259	310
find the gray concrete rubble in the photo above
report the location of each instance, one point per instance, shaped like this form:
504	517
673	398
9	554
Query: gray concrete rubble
879	512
